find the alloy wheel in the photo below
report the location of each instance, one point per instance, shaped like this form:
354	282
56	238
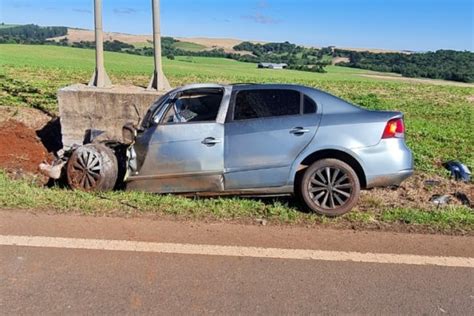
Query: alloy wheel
330	188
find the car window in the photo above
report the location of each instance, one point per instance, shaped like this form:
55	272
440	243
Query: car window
250	104
309	106
194	107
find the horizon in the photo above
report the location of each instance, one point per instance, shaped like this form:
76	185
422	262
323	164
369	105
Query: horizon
372	22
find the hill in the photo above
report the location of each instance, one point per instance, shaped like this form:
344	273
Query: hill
200	43
207	43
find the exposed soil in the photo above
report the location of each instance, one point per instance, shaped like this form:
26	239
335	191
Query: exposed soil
20	148
417	192
32	118
77	35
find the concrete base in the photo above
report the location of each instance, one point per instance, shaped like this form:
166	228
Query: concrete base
82	108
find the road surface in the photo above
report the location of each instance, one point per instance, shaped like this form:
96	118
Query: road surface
57	264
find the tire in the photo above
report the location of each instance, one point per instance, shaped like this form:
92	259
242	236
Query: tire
333	197
92	168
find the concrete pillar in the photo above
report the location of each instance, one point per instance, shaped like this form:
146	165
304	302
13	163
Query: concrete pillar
100	79
158	81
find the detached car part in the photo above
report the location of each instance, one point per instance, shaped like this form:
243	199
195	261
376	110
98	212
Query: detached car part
92	167
459	171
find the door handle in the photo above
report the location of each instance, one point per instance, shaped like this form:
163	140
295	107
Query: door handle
211	141
299	131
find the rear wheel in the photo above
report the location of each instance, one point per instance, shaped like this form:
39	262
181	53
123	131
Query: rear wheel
330	187
92	167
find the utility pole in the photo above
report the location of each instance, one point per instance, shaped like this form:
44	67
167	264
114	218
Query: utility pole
100	79
158	81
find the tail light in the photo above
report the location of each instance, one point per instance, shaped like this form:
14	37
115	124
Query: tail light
394	129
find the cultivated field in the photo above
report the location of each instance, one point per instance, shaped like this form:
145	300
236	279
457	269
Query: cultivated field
439	122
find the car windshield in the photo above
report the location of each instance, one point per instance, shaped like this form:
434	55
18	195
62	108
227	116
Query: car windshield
195	106
154	109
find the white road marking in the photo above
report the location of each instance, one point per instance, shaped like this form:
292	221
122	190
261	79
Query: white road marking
233	251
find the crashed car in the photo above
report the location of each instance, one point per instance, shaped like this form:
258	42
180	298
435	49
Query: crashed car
252	139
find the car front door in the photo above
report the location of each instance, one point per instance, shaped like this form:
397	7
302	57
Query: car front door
184	150
265	131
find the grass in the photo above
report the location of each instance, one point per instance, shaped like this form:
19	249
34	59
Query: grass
24	194
143	44
193	47
438	118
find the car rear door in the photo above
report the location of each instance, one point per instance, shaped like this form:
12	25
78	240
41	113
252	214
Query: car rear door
265	131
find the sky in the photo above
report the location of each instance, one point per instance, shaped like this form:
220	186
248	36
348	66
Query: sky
418	25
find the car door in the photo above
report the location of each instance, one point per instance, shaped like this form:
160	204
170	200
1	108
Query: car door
265	131
184	154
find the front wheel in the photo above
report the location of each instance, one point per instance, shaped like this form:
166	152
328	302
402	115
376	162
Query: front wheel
330	187
92	167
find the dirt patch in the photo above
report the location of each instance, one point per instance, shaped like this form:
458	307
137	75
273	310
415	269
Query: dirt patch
32	118
77	35
338	60
374	50
416	192
20	148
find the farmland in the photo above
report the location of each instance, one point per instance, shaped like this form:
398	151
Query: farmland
438	118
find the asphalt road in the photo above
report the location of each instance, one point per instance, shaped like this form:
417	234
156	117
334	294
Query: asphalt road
82	265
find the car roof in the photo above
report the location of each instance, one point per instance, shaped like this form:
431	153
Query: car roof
247	86
244	85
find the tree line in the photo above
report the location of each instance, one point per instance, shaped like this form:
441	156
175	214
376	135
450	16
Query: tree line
30	34
296	57
441	64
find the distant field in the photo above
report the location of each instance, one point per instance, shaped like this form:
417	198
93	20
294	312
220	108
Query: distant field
5	26
193	47
77	35
143	44
192	44
182	69
438	117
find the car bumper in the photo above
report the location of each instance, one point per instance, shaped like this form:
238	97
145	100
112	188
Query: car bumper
388	180
388	163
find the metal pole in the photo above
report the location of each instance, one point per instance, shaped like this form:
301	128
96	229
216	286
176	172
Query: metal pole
158	81
100	79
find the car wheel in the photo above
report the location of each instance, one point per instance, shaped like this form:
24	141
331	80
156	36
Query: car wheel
330	187
92	167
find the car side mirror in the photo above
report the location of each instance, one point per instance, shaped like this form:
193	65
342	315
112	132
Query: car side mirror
129	133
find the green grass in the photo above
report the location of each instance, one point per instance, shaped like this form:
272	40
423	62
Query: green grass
438	118
24	194
142	45
192	47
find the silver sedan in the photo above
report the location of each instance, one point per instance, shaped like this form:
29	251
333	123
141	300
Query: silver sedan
253	139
